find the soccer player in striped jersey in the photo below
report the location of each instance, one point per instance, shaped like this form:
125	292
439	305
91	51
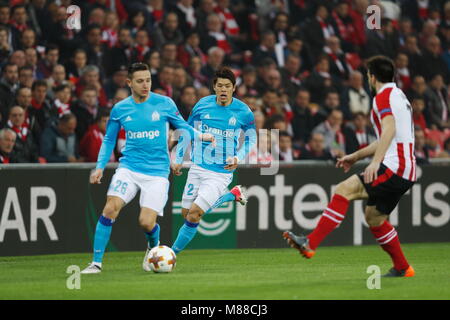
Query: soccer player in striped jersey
145	116
390	174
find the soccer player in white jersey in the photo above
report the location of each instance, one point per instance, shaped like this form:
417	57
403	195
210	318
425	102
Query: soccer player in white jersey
212	171
145	164
390	174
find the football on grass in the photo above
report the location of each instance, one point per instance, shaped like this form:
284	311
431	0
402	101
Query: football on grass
162	259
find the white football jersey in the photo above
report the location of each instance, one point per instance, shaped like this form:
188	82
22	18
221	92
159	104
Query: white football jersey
399	157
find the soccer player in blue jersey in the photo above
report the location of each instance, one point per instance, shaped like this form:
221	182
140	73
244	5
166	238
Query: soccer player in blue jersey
212	170
145	163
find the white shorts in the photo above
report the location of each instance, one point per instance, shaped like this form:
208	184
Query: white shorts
154	190
204	187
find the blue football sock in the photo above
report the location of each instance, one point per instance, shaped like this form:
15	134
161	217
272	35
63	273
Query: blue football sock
225	198
153	236
101	238
185	235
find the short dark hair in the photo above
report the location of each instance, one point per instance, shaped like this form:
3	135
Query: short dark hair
102	113
65	118
61	87
39	83
138	66
382	68
51	47
284	133
225	73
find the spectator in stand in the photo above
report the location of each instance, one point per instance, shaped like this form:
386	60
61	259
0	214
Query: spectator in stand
153	60
358	134
85	110
23	99
433	63
167	31
7	141
402	76
418	88
5	47
415	56
19	23
164	81
315	149
45	112
118	80
418	106
120	54
340	66
96	50
191	48
25	149
194	70
76	65
141	45
421	149
343	25
110	29
318	29
45	66
28	39
260	120
169	53
121	94
187	101
59	143
266	48
216	57
296	46
57	78
286	152
92	140
180	80
205	8
8	86
26	76
439	110
62	99
302	122
215	36
291	76
382	41
332	102
186	15
331	129
355	97
31	59
248	83
18	58
321	80
91	77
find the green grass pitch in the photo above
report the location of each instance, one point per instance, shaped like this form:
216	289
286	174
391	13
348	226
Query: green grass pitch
334	273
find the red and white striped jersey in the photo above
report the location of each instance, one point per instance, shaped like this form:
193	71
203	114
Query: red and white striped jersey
399	157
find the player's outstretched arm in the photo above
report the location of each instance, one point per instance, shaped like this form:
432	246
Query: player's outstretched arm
347	161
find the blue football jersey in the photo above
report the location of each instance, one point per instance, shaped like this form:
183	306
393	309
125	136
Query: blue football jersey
146	126
226	124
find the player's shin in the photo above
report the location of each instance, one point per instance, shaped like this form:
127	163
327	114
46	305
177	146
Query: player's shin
185	235
101	238
387	238
331	218
153	236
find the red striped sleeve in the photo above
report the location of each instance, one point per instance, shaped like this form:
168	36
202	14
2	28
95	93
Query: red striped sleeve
383	104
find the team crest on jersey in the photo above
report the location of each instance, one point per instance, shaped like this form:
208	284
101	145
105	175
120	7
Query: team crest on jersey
155	116
232	121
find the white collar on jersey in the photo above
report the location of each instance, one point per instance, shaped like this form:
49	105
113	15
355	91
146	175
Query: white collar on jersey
387	85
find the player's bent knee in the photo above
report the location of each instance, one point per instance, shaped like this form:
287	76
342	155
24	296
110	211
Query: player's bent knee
350	188
112	208
147	224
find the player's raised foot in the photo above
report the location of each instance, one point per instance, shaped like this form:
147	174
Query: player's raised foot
92	268
239	194
145	263
402	273
301	243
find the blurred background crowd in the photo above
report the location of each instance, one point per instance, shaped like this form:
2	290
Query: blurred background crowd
299	63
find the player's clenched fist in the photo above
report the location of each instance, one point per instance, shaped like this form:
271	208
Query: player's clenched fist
208	137
176	168
96	176
346	162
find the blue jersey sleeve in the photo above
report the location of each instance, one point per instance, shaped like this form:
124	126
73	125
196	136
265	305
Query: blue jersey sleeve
185	139
249	131
112	130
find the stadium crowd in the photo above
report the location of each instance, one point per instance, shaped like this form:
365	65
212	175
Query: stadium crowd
299	63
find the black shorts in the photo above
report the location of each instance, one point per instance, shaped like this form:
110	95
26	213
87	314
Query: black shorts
386	191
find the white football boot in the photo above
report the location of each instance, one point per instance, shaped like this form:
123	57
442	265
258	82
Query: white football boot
92	268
